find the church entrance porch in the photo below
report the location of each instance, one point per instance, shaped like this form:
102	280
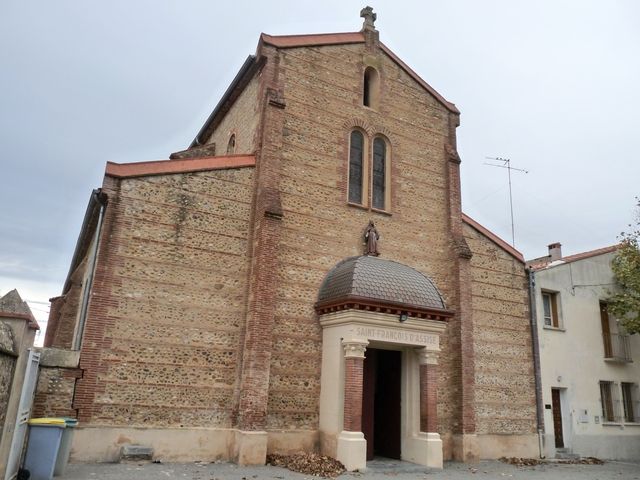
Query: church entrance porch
381	325
379	388
381	403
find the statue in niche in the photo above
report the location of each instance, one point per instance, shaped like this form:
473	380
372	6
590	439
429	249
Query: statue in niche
371	237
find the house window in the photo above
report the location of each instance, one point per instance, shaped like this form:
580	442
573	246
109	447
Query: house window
356	167
614	339
550	309
231	146
379	174
371	88
630	401
606	398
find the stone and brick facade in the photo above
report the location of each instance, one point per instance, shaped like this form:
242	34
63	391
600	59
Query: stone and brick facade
199	319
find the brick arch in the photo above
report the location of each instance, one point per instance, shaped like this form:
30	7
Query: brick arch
361	124
383	132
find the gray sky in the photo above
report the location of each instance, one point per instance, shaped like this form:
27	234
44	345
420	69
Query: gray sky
552	85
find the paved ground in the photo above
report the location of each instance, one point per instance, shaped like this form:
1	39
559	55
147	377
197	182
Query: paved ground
379	470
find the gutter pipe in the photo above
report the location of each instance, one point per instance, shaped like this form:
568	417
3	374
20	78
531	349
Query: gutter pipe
535	343
97	198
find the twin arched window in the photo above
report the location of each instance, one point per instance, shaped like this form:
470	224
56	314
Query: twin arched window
369	182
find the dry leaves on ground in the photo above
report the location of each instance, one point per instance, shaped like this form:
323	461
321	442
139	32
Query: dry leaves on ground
530	462
522	462
308	463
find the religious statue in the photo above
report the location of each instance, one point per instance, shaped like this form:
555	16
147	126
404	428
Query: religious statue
371	237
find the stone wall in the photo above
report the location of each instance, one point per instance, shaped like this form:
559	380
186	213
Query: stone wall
8	356
323	93
65	310
505	386
57	375
242	120
162	337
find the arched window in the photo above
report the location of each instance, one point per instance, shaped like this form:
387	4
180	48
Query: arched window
371	88
356	167
379	174
231	146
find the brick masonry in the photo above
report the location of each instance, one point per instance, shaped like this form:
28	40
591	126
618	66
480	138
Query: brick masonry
505	385
202	306
353	382
429	398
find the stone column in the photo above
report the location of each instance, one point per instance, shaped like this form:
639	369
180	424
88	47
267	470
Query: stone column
430	451
352	447
428	391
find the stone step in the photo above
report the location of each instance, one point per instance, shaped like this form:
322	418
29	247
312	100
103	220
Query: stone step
135	452
566	454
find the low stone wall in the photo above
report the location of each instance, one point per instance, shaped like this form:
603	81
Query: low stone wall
56	383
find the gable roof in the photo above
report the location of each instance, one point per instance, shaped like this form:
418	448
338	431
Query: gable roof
179	165
12	306
253	64
544	262
323	39
493	237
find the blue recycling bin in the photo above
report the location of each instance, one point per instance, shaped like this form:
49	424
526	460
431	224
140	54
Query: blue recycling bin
65	446
45	435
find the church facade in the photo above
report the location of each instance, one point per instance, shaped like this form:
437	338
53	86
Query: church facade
301	277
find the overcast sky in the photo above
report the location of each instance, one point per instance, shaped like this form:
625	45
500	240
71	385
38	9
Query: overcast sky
552	85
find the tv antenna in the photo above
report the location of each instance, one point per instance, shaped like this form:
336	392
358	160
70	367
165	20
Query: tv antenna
506	163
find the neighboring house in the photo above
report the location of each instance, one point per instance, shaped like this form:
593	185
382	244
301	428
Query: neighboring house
17	332
590	367
315	288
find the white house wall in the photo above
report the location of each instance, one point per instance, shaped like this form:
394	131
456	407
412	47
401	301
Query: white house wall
572	359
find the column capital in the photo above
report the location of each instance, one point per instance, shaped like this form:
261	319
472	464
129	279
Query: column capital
354	348
427	357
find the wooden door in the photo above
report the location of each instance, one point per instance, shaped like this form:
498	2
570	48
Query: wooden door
557	417
368	398
387	404
381	402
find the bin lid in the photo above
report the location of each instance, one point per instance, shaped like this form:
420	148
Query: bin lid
48	422
71	422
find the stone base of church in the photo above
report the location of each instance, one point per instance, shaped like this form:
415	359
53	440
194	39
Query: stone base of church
424	449
470	448
250	448
103	443
352	450
496	446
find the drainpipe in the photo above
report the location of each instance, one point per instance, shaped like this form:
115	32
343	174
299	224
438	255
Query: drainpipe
99	198
536	359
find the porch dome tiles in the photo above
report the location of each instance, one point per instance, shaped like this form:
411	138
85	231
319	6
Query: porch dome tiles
371	283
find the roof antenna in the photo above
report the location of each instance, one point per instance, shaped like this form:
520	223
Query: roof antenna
506	163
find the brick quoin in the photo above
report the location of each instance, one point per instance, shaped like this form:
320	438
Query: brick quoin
258	339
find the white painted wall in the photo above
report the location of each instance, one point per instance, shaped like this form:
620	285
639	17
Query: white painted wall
572	358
